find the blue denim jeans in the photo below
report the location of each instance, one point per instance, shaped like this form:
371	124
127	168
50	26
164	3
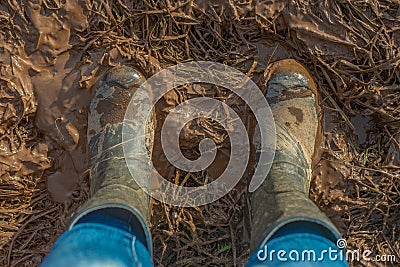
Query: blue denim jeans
103	241
100	240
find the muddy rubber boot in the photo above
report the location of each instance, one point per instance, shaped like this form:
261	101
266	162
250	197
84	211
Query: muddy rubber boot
283	197
114	192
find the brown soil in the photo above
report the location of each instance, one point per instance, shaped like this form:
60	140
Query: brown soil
52	53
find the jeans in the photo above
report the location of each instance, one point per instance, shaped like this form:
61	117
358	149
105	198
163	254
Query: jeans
99	240
103	241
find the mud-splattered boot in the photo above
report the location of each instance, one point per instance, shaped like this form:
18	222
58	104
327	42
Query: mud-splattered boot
114	192
283	197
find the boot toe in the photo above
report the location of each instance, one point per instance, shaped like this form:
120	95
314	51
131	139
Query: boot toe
112	98
292	95
287	77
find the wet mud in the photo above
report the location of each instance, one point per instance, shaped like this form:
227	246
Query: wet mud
52	54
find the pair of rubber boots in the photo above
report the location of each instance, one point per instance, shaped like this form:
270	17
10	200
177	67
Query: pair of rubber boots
281	200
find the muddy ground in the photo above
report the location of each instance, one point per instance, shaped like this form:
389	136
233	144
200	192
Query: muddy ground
53	52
